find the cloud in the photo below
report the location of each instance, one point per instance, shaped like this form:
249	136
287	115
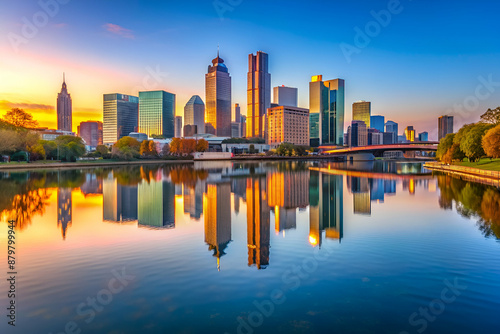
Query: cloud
118	30
6	105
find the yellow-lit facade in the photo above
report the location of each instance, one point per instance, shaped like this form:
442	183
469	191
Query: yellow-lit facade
288	125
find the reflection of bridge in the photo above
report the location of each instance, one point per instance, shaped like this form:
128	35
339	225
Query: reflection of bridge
380	149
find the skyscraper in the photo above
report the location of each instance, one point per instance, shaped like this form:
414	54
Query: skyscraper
361	111
194	113
445	126
357	134
326	111
423	136
288	125
178	126
91	132
285	96
156	113
64	109
258	94
410	134
237	113
218	97
392	127
120	114
377	122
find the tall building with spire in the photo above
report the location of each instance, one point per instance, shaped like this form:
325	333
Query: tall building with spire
258	93
64	109
218	97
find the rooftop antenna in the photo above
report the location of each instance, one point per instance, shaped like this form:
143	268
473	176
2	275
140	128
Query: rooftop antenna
64	77
217	50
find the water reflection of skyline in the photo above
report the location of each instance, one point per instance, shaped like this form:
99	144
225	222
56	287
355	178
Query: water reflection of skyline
268	193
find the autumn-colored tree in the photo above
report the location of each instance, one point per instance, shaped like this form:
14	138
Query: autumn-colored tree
10	141
152	147
126	148
491	116
201	145
491	142
188	146
102	150
175	146
20	118
37	152
144	148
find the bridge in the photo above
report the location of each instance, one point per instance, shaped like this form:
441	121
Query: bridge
378	150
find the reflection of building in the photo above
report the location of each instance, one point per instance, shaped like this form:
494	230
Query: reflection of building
445	126
258	223
156	113
156	204
64	209
377	190
119	116
64	109
288	125
326	111
360	189
218	98
92	185
326	207
193	199
258	94
119	203
217	215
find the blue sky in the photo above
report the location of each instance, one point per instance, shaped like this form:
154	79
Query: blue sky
427	59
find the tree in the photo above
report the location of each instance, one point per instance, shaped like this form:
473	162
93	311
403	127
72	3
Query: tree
144	148
472	145
102	150
37	152
188	146
491	142
127	148
251	149
201	145
444	145
462	133
10	141
175	146
70	147
491	116
165	150
50	148
158	136
20	118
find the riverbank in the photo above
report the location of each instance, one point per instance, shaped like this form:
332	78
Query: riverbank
484	176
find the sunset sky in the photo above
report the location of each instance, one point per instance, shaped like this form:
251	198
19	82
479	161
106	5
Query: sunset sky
427	58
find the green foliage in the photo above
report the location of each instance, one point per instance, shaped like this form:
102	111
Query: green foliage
70	147
462	133
50	148
102	150
472	144
291	150
491	116
444	145
158	136
491	142
127	148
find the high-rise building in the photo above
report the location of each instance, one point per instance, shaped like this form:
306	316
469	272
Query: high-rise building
423	136
392	127
285	96
120	115
258	94
377	122
64	109
357	134
326	111
288	125
218	98
235	130
91	132
194	113
410	134
217	215
375	137
237	113
178	126
445	126
243	126
156	113
361	111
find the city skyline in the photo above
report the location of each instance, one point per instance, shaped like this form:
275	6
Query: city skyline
54	49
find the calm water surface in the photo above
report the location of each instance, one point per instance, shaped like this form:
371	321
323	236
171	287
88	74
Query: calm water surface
283	247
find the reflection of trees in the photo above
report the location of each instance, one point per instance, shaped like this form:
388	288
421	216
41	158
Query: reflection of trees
187	175
472	200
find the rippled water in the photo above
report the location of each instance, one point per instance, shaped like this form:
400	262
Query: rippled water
285	247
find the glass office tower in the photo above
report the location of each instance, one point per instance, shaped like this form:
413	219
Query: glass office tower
218	98
361	111
377	122
119	116
326	110
156	113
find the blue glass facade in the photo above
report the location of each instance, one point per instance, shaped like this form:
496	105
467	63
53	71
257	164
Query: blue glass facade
377	122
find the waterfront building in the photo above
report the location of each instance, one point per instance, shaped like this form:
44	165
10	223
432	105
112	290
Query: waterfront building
375	137
178	126
64	109
258	94
120	116
235	130
377	122
139	136
91	132
243	126
285	96
388	138
392	127
357	134
326	111
445	126
218	98
410	134
194	113
156	113
288	125
361	111
423	136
